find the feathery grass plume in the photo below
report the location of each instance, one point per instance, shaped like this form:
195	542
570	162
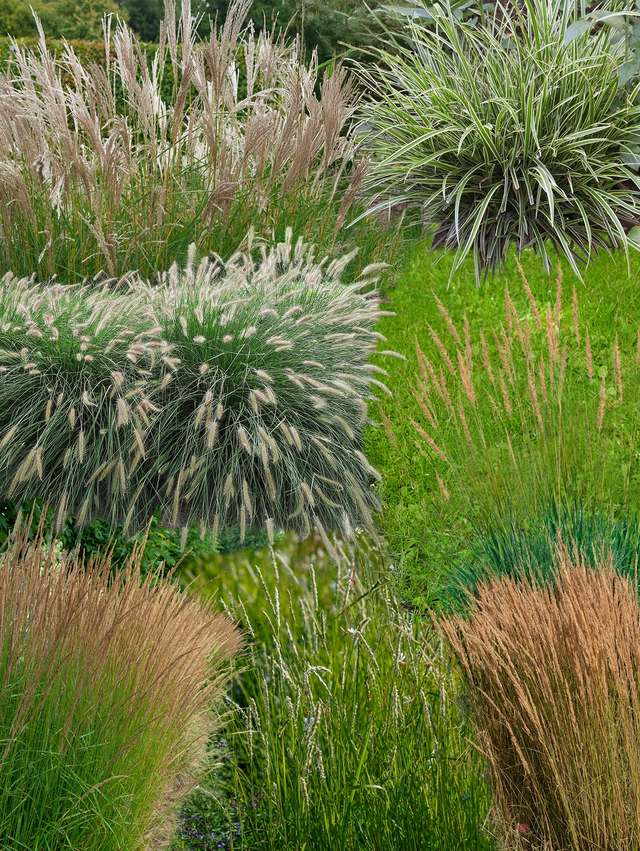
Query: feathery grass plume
448	100
108	171
553	675
242	441
345	727
543	440
107	690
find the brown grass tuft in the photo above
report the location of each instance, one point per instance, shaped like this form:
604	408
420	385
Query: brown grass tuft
129	666
554	676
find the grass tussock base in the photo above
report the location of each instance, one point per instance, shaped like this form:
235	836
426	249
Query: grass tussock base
555	681
106	688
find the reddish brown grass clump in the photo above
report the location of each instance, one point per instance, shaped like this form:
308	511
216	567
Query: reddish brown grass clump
554	676
107	686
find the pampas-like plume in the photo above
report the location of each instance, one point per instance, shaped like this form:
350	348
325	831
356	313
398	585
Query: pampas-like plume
80	167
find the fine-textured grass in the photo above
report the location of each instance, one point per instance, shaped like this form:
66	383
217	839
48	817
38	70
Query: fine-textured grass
226	394
554	678
523	547
103	170
106	687
504	141
609	304
347	727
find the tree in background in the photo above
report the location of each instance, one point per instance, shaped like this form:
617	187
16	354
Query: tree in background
327	26
145	17
70	19
16	18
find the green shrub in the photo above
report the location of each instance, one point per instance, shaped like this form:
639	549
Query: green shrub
505	141
346	728
230	394
106	696
162	546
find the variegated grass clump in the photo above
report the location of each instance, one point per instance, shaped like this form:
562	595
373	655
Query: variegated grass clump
227	394
504	142
554	683
107	687
121	168
528	421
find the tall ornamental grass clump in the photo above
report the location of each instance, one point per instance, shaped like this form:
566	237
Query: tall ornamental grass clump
530	430
227	394
102	169
345	729
554	684
106	688
505	135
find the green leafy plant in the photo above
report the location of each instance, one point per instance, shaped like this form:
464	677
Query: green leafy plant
107	690
346	727
504	135
163	548
228	394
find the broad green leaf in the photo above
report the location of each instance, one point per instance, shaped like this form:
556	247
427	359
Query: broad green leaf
628	70
634	237
409	11
618	22
576	29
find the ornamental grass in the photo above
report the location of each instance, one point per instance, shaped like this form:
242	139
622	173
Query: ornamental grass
107	687
227	394
123	167
554	682
530	429
504	133
348	728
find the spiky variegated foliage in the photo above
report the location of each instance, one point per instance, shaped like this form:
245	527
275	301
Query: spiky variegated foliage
231	394
505	141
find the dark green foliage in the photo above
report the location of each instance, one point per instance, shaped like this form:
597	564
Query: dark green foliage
69	19
163	547
16	18
230	540
525	549
145	17
328	27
